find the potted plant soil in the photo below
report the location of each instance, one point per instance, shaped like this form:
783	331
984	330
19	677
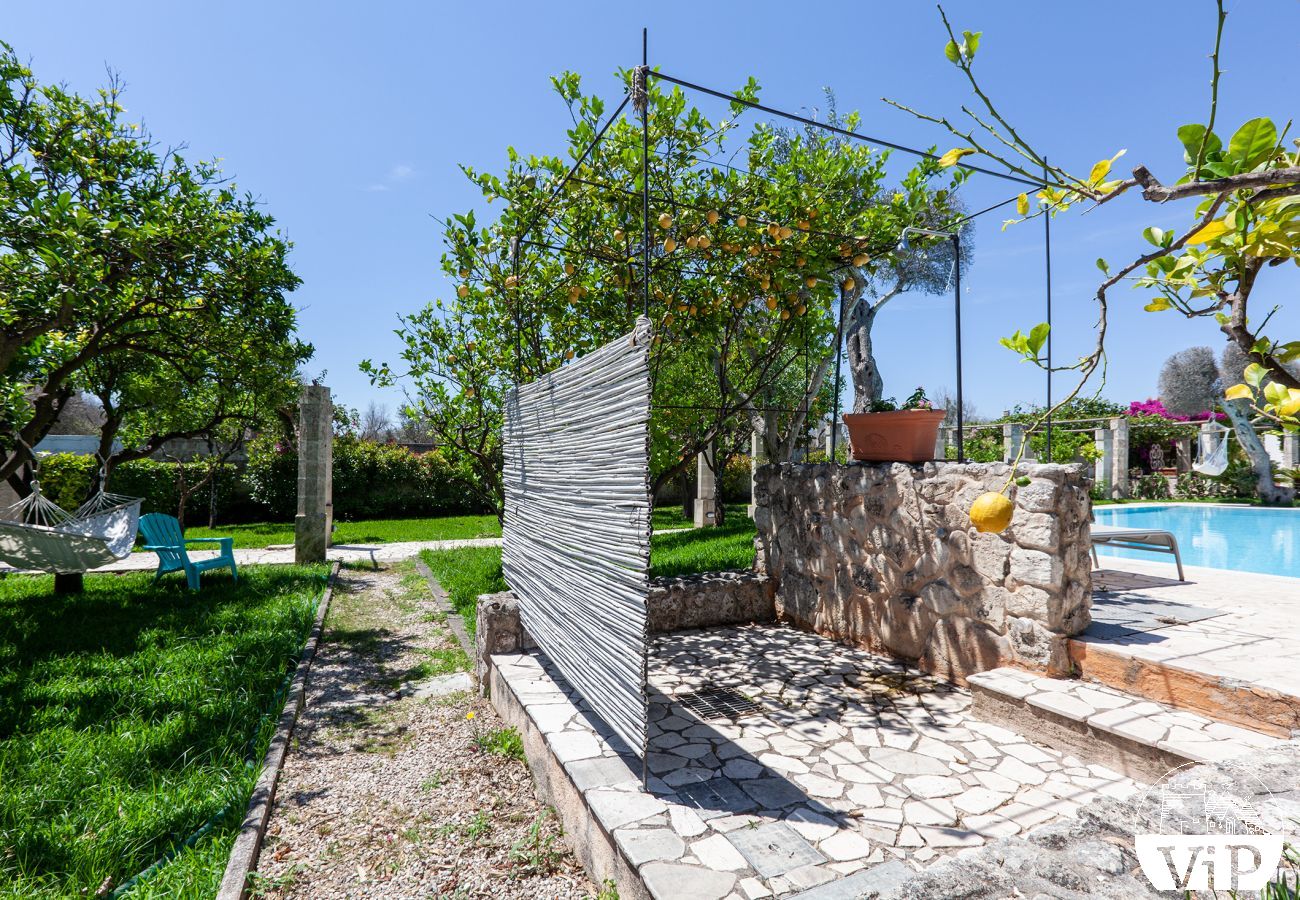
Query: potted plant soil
890	433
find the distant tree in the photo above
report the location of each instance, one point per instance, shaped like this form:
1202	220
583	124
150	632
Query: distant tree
376	426
1190	382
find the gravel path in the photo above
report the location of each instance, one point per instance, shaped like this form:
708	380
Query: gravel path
388	795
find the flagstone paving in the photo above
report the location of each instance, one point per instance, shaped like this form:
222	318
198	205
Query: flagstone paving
850	762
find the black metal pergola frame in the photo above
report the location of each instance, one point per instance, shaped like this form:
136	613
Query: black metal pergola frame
638	96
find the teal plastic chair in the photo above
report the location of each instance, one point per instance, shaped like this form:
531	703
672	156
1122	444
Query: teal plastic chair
163	536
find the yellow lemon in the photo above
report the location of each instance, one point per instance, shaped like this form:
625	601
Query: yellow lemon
618	234
801	310
469	392
464	273
803	224
665	220
785	314
771	303
451	359
801	262
861	259
669	245
704	242
991	512
811	281
569	269
568	354
692	242
462	291
512	280
849	284
712	217
785	232
742	221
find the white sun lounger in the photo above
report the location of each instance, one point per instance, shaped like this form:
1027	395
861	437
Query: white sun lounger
1137	539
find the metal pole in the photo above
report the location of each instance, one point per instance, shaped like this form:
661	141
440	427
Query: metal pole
956	264
1047	247
839	355
645	173
519	322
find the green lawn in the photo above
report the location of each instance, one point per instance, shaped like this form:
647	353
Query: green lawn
372	531
469	571
128	717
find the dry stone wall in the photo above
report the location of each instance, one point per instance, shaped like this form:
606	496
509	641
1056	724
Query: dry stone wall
883	555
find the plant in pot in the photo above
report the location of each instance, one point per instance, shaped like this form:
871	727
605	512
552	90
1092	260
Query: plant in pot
890	433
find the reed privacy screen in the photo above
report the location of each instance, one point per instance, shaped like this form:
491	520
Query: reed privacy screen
576	542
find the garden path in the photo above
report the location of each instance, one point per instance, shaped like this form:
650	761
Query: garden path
389	794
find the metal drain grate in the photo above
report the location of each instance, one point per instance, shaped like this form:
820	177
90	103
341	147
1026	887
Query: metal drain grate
718	703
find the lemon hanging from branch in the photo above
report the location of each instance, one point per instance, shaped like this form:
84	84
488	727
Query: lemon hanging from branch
991	512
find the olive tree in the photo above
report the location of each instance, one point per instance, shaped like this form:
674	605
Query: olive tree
1190	382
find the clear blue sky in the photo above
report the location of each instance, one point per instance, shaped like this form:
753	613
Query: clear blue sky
349	121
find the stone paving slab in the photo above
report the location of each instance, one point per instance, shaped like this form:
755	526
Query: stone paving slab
855	770
1187	735
1255	639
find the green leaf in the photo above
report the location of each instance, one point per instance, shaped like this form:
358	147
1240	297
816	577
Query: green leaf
1190	137
1255	373
1275	393
1154	235
952	51
1253	142
1101	264
972	42
1037	337
1288	352
1158	304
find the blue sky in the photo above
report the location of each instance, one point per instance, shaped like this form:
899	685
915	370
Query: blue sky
349	121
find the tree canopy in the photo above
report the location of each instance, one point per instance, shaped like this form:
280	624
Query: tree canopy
132	274
755	236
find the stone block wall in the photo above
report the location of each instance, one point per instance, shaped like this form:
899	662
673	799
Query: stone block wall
883	555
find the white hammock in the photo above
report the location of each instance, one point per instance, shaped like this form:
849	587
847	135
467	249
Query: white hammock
37	535
1216	463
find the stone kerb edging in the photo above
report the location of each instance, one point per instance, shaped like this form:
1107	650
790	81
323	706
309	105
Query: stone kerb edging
248	843
455	621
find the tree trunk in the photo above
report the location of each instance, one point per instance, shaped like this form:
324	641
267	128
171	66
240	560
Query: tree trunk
71	583
688	496
1269	492
867	383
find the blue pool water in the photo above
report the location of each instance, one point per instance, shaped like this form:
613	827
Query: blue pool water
1248	539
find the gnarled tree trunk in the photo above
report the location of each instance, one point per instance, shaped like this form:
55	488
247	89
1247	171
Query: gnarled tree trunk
867	383
1271	493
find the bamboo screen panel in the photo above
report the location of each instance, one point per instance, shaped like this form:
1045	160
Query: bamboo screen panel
576	543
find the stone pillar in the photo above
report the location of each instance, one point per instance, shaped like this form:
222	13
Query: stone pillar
1119	460
757	456
706	493
1105	458
1290	451
1183	455
315	475
1013	435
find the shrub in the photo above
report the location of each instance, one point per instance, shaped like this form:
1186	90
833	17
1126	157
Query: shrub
1195	486
66	477
371	480
1148	487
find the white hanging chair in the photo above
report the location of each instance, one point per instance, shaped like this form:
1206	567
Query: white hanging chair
38	535
1216	461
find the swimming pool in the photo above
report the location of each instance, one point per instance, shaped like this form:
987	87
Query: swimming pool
1245	538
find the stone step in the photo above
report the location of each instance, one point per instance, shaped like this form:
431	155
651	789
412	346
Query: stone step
1141	738
1136	667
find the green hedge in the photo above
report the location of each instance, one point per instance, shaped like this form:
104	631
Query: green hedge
65	479
370	481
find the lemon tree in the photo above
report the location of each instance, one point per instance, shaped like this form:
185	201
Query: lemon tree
754	234
1229	220
131	273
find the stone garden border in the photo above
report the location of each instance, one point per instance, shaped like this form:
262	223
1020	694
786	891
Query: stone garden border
455	621
248	843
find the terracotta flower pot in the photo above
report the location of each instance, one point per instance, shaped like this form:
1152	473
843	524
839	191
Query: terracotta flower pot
905	435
